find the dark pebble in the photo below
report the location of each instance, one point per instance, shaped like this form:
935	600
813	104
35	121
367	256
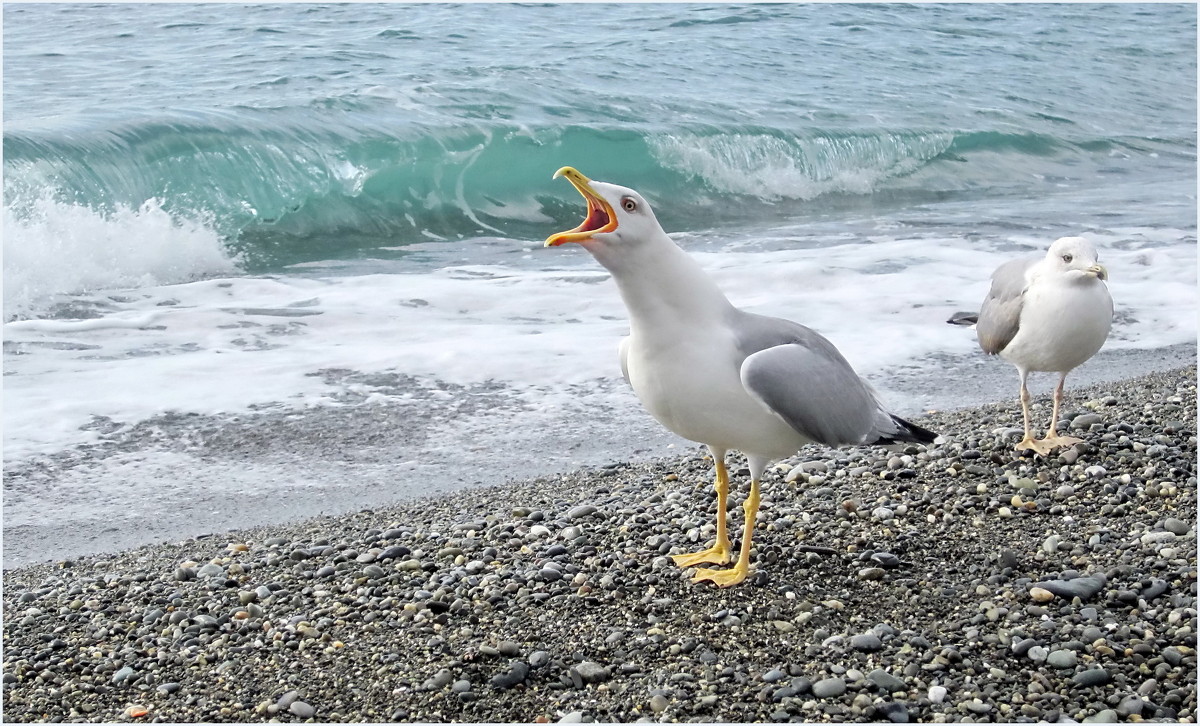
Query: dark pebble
1156	588
1084	588
893	712
867	642
1091	677
517	673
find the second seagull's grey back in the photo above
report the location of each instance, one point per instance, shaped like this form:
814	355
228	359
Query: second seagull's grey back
1000	316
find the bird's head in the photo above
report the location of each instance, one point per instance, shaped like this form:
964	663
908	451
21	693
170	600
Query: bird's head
617	217
1076	258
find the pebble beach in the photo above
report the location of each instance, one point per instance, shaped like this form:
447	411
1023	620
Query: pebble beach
959	582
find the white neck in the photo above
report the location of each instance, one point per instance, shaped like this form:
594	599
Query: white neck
661	285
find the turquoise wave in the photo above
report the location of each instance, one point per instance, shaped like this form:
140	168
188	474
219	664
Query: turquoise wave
284	187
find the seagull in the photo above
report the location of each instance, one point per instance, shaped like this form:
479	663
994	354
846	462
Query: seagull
718	375
1046	314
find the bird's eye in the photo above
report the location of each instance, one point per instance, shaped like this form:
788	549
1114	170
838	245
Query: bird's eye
1068	258
629	204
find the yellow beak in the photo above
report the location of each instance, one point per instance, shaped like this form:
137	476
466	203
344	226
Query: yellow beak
1099	271
600	216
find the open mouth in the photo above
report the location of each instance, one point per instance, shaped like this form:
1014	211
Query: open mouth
600	216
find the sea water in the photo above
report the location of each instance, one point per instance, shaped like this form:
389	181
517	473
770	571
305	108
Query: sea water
219	214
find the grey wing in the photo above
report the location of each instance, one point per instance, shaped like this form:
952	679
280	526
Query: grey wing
1000	316
802	377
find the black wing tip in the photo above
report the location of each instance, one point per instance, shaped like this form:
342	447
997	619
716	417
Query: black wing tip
961	318
908	432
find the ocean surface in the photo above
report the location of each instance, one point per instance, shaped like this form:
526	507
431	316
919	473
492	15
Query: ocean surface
271	260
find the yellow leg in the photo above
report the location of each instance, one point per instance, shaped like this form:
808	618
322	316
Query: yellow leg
1028	442
718	554
1053	440
741	570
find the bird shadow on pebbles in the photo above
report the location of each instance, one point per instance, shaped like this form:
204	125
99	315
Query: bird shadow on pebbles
959	581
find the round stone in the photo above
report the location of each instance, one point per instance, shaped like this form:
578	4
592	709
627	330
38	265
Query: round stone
1062	658
829	688
658	703
1040	594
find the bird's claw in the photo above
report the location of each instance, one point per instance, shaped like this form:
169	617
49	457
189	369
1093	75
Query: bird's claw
1057	442
1030	444
715	555
723	578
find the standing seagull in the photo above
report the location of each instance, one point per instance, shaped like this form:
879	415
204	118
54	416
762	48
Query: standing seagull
718	375
1048	314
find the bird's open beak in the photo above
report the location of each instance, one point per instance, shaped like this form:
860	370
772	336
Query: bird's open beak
1099	271
600	215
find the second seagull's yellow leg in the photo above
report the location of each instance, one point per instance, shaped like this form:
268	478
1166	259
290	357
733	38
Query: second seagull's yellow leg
1053	440
1028	442
741	569
718	554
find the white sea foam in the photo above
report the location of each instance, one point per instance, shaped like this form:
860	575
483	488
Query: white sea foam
770	167
54	248
546	327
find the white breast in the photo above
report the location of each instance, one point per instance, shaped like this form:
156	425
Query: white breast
1062	325
691	385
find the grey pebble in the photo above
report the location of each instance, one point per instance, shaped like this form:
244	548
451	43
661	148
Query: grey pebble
1154	589
829	688
1022	647
894	712
871	573
1084	588
591	672
517	673
867	642
1130	705
1176	526
886	681
1091	677
886	560
393	552
211	570
582	511
1008	559
440	680
301	709
1062	658
508	648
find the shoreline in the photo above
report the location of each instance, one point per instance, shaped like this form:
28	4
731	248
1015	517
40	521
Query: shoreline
890	585
279	467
